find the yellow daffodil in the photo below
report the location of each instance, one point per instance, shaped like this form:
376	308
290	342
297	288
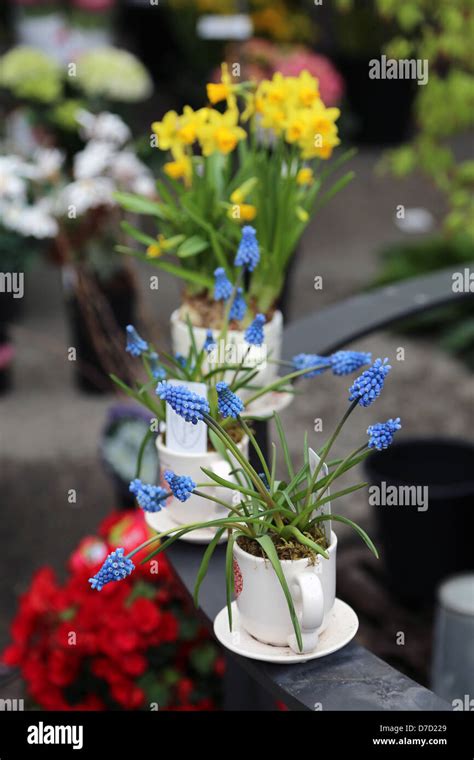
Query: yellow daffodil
157	249
305	176
241	192
296	128
221	132
189	123
180	168
223	90
166	130
216	92
307	89
321	136
242	212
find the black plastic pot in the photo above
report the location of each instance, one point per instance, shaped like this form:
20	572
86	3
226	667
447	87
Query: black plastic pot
381	107
418	547
120	295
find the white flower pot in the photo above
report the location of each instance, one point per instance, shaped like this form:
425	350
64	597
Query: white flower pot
262	605
197	508
273	332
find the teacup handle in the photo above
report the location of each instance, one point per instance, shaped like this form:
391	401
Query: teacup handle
306	587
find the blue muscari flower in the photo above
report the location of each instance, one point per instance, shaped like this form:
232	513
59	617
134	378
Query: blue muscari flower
181	360
115	568
228	403
158	372
306	361
209	343
222	285
254	332
181	485
150	498
184	402
239	307
366	388
248	252
264	480
135	345
381	434
345	362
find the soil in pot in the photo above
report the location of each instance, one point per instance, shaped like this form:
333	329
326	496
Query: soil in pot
286	550
209	314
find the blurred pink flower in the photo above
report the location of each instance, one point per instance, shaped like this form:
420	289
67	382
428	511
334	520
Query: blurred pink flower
93	5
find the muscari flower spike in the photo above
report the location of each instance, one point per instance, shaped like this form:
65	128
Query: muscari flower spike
222	285
150	498
184	402
239	307
180	359
115	568
254	333
248	252
381	434
158	372
136	346
345	362
368	386
264	480
209	343
228	403
306	361
181	485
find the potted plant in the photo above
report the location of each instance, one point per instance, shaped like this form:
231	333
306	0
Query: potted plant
278	542
168	662
259	159
41	101
27	224
213	367
99	287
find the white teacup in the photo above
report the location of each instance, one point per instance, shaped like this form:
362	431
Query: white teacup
262	605
197	508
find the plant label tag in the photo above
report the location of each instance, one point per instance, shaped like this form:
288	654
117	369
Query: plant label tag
237	26
182	436
314	461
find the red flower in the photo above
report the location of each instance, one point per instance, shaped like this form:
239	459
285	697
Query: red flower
90	553
134	664
219	666
113	638
184	689
145	616
127	694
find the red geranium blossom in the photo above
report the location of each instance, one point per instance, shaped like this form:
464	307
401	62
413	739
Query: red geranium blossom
78	650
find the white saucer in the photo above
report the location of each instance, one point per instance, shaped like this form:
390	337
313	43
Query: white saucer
342	627
161	521
275	401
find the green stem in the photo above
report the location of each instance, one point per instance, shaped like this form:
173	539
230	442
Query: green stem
327	447
141	451
225	438
281	381
339	469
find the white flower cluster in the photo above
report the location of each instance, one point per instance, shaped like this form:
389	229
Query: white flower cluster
23	209
105	165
